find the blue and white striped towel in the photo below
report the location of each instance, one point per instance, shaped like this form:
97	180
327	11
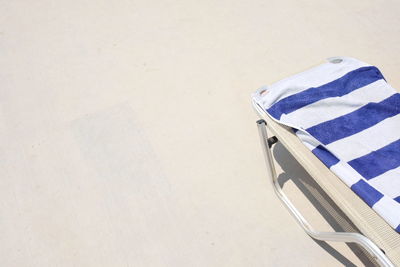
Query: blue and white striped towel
349	117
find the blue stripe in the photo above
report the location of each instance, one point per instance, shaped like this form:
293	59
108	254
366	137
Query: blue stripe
349	82
356	121
369	194
398	228
325	156
397	199
379	161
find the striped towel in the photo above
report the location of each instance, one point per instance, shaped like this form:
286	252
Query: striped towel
349	117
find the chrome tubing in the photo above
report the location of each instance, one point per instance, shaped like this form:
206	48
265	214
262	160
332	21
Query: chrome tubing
360	239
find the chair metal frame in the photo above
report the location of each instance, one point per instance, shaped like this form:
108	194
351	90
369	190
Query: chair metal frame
363	241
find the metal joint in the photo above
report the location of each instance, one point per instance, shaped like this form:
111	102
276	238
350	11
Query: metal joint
272	140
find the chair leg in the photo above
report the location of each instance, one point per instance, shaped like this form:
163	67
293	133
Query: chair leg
360	239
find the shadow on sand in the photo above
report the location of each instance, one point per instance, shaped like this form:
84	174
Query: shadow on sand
293	171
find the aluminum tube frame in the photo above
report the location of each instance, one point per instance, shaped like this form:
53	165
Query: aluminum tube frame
360	239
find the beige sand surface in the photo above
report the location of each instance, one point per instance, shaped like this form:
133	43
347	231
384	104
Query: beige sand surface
127	134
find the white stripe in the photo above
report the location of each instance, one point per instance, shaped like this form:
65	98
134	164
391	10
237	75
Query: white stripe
366	141
388	209
333	107
388	182
307	140
346	173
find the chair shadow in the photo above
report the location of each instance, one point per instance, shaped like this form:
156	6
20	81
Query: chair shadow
293	171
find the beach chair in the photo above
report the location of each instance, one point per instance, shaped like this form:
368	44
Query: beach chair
375	234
